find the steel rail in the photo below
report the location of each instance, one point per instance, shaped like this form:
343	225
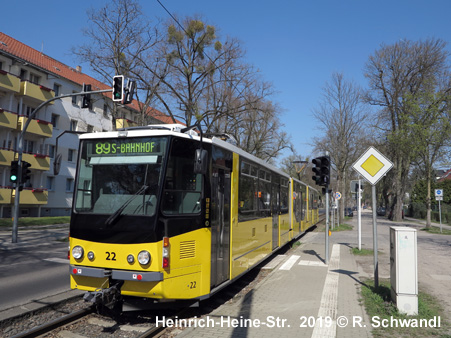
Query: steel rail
58	322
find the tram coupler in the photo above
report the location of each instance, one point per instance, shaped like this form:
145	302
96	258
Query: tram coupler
110	297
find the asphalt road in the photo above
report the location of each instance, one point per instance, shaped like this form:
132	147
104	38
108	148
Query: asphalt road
33	268
433	252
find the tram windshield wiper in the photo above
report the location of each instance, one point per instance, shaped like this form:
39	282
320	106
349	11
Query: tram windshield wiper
110	220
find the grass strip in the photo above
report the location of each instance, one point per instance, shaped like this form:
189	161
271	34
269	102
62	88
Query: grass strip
379	307
27	221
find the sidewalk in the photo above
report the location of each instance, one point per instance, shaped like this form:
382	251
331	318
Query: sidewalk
302	297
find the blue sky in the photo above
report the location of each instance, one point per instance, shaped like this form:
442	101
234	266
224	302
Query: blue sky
296	45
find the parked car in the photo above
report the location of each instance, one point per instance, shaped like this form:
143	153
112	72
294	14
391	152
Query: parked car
381	211
348	212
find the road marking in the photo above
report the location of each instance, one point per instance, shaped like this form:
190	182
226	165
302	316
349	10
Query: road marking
274	262
329	298
290	262
57	260
312	263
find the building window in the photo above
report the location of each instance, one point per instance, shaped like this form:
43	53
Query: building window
69	185
28	146
55	121
74	99
56	89
105	110
51	151
73	125
89	128
23	74
70	155
50	183
29	110
34	78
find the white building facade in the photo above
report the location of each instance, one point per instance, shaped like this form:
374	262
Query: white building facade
27	79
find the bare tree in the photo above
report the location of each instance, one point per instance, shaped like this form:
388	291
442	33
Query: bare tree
398	74
118	33
341	116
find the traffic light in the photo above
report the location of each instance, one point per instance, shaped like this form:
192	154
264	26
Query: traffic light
118	88
317	170
25	171
322	171
86	98
129	91
14	176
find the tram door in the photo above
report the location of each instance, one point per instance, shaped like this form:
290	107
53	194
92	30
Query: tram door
220	225
275	201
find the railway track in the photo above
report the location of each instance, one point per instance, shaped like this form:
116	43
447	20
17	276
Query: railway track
86	323
55	324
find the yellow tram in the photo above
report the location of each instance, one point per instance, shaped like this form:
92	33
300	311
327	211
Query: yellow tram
161	214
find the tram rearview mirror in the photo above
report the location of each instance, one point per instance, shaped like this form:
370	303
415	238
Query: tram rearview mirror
200	161
57	164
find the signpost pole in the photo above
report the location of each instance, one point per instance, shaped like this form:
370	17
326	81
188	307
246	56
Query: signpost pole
439	198
376	267
372	165
440	215
327	226
359	212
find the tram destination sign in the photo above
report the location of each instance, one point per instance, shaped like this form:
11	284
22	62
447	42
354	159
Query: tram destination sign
372	165
125	151
114	147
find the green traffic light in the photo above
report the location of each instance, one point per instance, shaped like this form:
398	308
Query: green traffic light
13	178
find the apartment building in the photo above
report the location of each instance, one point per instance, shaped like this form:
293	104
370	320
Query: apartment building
27	79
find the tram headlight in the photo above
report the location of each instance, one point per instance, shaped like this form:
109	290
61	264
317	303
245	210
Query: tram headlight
77	252
144	257
91	255
130	259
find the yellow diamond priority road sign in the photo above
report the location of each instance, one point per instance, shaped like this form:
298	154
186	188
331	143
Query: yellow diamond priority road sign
372	165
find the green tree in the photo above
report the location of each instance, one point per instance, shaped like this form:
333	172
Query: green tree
399	75
431	130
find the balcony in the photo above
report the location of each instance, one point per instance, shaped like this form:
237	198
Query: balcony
37	161
29	196
36	92
6	156
37	127
5	195
8	119
125	123
9	82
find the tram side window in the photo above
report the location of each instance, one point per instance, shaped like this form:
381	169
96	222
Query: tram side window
182	187
283	195
315	201
264	193
247	192
298	205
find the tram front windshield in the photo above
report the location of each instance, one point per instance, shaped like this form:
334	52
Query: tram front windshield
120	174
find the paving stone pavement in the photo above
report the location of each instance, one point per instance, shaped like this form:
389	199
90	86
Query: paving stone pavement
308	299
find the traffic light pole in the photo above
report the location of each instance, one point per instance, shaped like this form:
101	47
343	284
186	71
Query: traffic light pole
327	226
20	152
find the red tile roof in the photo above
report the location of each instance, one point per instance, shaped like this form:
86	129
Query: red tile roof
18	49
